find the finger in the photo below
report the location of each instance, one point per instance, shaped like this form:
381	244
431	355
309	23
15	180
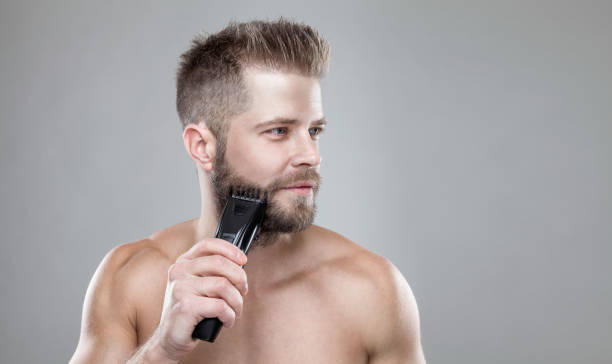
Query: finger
206	307
210	246
217	265
218	287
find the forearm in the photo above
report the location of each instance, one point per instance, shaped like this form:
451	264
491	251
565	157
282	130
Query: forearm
150	353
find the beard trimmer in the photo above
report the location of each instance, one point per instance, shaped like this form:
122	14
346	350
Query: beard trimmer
239	224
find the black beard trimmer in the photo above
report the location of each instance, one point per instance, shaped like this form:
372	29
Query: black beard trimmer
239	224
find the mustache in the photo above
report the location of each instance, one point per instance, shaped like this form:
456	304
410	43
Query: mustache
225	176
311	175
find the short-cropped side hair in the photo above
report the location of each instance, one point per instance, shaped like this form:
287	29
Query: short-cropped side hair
210	83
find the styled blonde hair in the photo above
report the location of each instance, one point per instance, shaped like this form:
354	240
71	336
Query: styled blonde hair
210	82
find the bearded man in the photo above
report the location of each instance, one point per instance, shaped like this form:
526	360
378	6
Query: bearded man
249	100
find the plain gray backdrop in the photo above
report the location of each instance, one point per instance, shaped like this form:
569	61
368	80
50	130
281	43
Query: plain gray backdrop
470	144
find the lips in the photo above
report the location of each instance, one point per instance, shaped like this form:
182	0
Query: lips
306	184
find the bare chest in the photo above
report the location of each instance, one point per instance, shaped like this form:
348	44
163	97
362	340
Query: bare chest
288	325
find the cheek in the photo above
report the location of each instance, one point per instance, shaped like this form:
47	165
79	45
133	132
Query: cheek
257	161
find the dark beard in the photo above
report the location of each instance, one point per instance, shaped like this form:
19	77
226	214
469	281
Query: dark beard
277	219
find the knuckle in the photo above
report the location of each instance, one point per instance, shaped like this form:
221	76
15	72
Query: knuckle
243	276
221	284
174	271
221	287
219	305
230	313
184	305
204	244
176	293
218	260
225	313
239	304
242	280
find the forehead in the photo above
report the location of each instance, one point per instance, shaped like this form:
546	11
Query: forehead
279	94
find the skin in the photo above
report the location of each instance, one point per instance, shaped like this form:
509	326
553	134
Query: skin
310	296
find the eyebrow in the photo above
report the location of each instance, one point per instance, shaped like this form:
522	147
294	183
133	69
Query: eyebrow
285	121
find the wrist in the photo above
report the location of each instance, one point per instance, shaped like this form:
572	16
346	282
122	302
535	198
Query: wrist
155	353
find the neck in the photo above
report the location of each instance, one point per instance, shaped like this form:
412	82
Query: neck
206	225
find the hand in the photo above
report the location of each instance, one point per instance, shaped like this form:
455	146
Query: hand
206	281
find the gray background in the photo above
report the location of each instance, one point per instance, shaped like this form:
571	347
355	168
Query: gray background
469	144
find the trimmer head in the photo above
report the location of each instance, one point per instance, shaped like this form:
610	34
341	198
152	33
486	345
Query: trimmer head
239	224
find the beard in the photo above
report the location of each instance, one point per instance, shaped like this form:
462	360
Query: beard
295	216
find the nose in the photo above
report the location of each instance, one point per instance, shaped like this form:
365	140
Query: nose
306	151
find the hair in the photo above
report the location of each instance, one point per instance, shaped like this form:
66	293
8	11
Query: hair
210	82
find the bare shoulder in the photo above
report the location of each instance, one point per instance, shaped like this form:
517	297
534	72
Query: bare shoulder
370	275
121	278
109	327
386	313
135	262
354	258
132	265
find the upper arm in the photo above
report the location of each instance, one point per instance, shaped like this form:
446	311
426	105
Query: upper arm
108	332
394	337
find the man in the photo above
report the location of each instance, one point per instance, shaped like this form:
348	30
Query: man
249	100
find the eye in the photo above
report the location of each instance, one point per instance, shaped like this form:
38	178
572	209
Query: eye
319	130
272	131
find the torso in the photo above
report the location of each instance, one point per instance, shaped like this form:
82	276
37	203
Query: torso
304	310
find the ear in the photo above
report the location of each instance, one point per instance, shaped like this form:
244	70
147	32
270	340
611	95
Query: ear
201	145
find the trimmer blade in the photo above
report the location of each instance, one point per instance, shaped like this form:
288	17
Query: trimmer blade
250	193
